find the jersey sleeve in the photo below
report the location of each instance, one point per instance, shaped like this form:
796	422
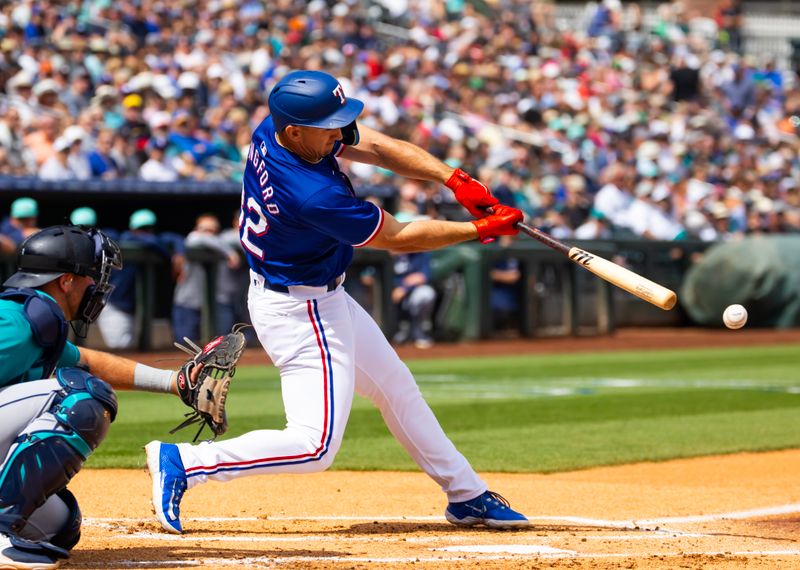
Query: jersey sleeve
69	357
343	217
18	351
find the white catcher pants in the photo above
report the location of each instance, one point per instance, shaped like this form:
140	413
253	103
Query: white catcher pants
326	346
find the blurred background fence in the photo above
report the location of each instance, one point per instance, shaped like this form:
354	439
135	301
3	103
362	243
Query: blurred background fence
555	296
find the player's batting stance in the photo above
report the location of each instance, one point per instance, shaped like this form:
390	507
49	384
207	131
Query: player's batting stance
56	400
300	221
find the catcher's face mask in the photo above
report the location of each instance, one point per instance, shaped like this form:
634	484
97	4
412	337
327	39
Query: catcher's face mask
107	257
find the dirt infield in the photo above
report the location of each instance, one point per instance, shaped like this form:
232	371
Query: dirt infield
719	512
736	511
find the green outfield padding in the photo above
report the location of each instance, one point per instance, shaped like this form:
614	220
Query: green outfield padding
760	273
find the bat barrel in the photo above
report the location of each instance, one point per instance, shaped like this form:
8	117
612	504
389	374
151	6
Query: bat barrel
615	274
624	278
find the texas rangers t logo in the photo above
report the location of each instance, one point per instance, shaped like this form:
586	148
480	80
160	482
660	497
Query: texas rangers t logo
339	92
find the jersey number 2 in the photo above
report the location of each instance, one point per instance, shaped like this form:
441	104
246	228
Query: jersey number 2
258	228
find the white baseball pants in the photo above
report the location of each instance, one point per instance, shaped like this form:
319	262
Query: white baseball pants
325	346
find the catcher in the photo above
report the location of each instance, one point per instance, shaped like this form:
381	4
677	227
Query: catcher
57	401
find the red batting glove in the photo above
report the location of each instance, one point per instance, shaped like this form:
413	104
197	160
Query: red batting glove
501	222
470	193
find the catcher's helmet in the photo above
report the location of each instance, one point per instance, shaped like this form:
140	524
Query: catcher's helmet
51	252
311	99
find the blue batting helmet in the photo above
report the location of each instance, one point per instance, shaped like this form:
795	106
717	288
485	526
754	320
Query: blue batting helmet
311	99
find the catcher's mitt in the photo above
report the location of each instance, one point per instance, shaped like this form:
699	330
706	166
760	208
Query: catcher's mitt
206	395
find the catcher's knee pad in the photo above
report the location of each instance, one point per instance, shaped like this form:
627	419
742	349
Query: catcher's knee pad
87	407
43	461
69	534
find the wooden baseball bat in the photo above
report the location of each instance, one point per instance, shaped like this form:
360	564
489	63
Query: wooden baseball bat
615	274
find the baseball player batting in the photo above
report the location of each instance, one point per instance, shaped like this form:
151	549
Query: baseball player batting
300	220
57	401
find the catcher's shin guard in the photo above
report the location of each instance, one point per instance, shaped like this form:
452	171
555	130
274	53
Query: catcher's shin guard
70	533
58	522
42	463
43	459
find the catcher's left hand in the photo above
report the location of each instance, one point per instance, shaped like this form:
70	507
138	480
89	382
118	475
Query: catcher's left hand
204	380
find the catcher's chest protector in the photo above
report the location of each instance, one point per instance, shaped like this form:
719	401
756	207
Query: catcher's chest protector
48	324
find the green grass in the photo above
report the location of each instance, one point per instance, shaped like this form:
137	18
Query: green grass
536	413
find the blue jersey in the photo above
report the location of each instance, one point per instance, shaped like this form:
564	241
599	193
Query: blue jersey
300	221
19	350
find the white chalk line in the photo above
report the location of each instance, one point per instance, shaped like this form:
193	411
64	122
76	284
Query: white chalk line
482	549
572	554
738	515
633	524
660	534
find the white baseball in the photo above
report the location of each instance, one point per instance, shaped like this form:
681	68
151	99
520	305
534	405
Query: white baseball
734	317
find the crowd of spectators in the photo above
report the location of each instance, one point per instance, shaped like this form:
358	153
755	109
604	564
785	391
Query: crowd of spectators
596	126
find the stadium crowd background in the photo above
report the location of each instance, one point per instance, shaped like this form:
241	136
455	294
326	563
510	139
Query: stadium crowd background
608	128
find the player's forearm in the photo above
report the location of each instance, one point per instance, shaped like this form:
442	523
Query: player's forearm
425	235
125	374
403	158
115	370
411	161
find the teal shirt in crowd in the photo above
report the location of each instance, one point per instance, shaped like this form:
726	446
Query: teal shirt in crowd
19	350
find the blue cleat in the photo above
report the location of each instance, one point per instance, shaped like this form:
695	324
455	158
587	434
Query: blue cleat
169	483
489	509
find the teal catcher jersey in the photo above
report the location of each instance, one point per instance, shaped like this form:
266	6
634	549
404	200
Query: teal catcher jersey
18	349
